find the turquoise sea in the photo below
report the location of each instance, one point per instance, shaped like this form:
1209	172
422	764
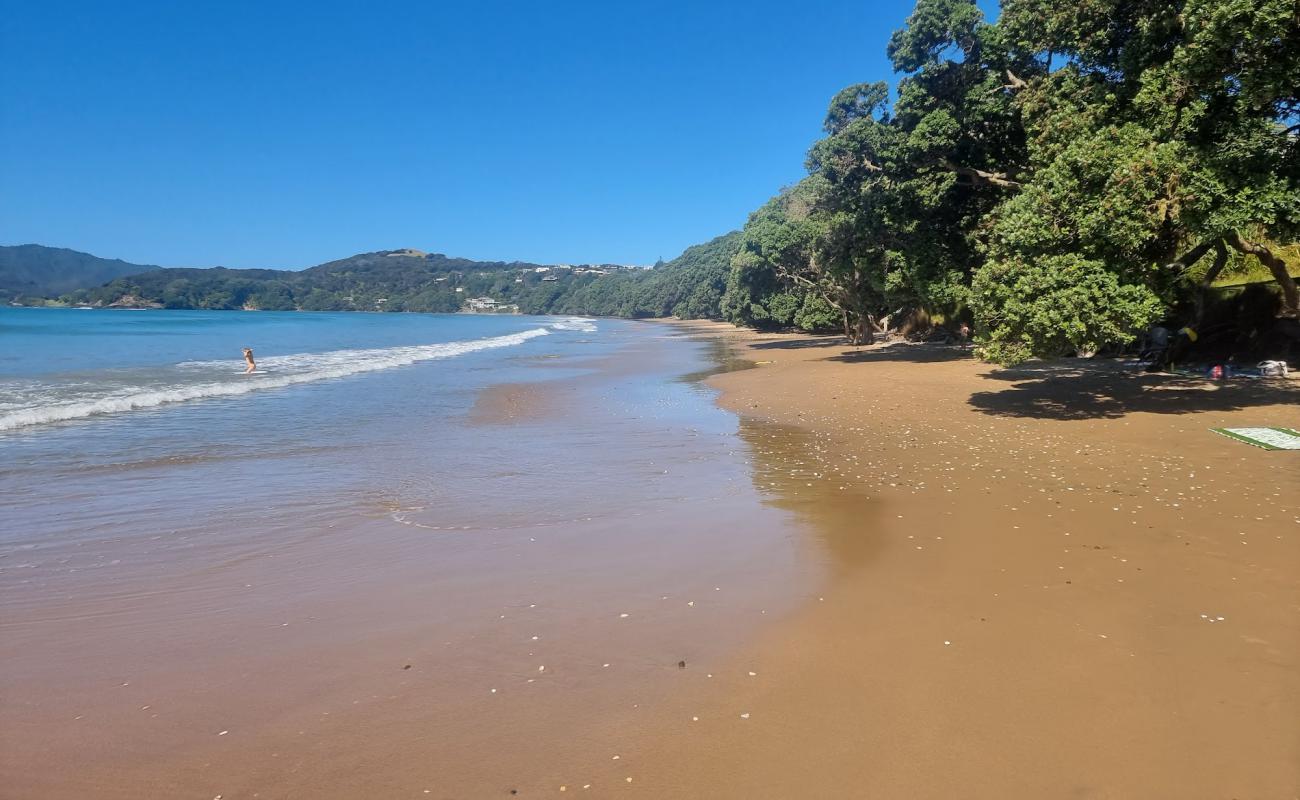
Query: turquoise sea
492	500
112	422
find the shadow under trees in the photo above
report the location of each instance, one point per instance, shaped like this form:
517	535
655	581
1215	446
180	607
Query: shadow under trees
1109	391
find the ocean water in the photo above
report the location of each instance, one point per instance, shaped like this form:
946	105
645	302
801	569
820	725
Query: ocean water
118	424
60	365
185	549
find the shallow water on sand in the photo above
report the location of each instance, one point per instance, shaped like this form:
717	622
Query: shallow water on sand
397	562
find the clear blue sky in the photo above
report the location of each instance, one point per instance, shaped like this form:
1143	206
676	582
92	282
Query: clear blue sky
275	134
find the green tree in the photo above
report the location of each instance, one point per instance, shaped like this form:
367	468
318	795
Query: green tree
1160	139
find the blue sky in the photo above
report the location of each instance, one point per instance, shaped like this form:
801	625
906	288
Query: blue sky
275	134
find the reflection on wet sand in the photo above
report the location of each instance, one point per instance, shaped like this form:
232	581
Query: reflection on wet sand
792	473
513	623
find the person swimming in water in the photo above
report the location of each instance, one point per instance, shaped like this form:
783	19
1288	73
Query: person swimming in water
248	357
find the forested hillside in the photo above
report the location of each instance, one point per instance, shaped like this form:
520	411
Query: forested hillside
689	286
31	270
391	280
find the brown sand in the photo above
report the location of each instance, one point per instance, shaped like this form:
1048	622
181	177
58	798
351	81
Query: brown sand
1062	585
344	655
1021	579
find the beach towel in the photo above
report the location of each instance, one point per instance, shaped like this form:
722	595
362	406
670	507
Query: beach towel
1267	438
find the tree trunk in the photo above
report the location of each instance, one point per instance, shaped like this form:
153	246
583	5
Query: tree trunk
864	327
1220	261
863	330
856	329
1290	293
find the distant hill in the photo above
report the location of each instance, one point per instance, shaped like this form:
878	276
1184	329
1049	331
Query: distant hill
33	270
387	280
689	286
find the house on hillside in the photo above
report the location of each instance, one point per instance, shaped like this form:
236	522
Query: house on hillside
486	305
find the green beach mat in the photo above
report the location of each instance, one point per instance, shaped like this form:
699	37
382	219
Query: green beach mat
1267	438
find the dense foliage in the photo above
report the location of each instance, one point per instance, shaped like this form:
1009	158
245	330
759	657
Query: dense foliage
689	286
1059	178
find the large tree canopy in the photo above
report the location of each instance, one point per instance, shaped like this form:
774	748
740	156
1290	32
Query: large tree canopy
1056	176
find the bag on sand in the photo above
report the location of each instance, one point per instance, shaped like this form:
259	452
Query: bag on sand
1273	369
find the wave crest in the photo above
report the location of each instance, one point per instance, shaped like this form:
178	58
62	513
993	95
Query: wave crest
575	324
282	371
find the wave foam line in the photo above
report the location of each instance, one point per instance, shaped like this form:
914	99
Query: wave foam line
575	324
298	368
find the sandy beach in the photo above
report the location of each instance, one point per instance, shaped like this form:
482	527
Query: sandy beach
486	586
505	401
895	572
1052	581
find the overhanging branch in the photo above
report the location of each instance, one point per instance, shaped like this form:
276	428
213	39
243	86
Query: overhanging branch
1192	256
1290	293
1013	84
979	177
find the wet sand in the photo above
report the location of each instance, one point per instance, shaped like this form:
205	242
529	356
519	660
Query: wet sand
1050	582
427	649
937	580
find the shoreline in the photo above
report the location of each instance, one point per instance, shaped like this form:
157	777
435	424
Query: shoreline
1066	585
886	571
429	635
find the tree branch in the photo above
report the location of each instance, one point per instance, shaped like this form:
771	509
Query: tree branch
1192	256
979	177
1220	261
1290	293
816	286
1013	84
862	332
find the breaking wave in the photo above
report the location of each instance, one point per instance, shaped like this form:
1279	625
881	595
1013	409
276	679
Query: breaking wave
58	404
575	324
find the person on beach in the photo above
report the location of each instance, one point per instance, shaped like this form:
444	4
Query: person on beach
963	336
1179	346
248	358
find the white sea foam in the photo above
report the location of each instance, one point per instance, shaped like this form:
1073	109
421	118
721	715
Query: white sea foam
274	372
575	324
